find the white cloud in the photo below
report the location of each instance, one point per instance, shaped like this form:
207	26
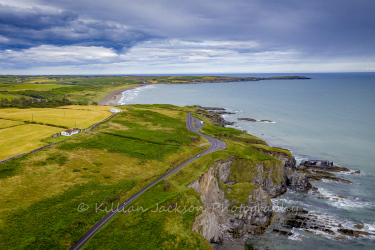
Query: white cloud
47	54
169	56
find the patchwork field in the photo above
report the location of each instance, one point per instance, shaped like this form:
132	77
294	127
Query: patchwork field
9	123
23	138
30	86
67	118
17	137
40	79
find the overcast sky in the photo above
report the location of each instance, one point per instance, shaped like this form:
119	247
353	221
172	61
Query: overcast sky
186	37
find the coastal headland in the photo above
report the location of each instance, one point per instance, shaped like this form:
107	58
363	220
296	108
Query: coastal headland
114	97
217	197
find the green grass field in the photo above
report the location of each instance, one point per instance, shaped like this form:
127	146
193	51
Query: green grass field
67	118
30	86
92	168
42	191
18	137
9	123
8	96
23	138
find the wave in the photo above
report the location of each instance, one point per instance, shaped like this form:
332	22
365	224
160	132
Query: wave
129	95
298	159
278	202
335	223
296	236
344	202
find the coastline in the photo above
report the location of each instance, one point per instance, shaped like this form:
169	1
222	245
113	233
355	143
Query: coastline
331	201
114	97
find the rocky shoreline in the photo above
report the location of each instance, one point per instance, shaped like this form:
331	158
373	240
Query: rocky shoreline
226	228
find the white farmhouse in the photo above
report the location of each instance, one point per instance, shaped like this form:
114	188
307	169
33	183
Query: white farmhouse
113	110
70	132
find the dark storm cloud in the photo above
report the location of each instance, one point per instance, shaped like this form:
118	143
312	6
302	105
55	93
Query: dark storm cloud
34	18
319	30
331	27
24	28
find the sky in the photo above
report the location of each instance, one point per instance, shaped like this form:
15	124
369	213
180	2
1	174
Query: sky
186	37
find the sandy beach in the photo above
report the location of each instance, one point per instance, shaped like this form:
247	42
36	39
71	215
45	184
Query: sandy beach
114	97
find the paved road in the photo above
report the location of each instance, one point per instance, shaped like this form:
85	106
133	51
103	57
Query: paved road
193	124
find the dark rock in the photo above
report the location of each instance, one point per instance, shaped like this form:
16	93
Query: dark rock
293	223
297	210
225	113
317	173
338	169
348	232
210	108
215	118
282	232
317	163
329	231
246	119
325	167
298	182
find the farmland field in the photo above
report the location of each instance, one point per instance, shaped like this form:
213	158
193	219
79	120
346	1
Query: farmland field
9	123
57	117
6	96
23	138
30	86
40	79
87	107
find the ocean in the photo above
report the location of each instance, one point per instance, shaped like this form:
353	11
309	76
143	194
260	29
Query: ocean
329	117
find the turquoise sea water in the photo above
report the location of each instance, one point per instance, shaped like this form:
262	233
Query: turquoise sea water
329	117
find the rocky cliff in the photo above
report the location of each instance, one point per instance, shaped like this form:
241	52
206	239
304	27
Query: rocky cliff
236	193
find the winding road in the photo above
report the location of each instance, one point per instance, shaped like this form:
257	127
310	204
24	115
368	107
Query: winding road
192	124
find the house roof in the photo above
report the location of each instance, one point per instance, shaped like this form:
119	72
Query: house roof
71	130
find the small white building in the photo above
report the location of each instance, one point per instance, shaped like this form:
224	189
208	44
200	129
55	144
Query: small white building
70	132
113	110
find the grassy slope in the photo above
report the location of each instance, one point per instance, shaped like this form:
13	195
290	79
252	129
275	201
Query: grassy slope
130	151
31	86
41	191
81	90
97	93
8	96
130	229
